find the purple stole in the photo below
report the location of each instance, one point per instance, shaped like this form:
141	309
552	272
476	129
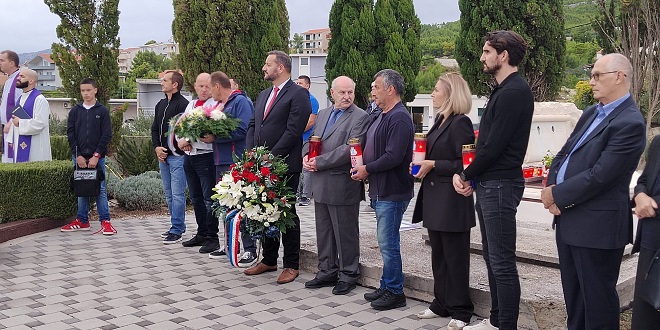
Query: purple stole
11	99
24	141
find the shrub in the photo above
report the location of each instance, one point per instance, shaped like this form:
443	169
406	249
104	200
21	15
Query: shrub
59	145
35	190
584	96
111	182
140	192
116	122
136	155
140	126
151	174
57	126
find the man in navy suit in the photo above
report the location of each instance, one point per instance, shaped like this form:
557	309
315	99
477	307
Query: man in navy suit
588	192
280	116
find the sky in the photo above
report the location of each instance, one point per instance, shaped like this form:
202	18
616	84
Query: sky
28	25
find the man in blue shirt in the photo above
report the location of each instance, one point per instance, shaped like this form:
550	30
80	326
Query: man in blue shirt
302	194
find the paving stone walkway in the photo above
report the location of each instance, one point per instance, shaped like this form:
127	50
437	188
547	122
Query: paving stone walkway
54	280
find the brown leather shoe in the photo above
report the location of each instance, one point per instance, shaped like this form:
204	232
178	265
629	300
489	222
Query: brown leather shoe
259	269
288	275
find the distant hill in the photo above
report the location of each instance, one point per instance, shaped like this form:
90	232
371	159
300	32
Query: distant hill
27	57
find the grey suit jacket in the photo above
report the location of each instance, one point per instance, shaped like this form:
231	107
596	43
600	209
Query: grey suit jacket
332	183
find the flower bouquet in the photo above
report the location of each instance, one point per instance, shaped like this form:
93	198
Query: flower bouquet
202	121
253	192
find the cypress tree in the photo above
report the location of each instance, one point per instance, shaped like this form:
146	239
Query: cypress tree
268	30
398	25
88	46
351	50
232	36
540	23
212	36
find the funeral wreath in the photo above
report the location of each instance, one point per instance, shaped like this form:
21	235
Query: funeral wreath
255	186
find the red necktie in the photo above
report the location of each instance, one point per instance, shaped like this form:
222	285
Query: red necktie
272	100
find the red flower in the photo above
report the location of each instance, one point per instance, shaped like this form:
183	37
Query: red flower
232	166
274	178
271	194
252	178
236	176
265	171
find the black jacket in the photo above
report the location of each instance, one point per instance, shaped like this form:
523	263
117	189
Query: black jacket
389	177
164	111
89	131
504	132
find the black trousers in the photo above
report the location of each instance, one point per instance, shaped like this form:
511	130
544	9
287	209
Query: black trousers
450	260
290	240
588	278
644	315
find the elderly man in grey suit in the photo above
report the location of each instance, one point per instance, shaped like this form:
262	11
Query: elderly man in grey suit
336	196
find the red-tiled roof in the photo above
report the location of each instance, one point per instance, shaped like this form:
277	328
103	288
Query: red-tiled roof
46	57
317	31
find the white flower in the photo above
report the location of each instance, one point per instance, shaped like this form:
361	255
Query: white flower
218	115
266	224
199	111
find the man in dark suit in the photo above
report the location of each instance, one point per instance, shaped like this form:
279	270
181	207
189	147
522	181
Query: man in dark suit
588	192
647	239
336	196
281	113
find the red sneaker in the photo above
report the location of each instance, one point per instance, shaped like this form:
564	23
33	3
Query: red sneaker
107	228
75	225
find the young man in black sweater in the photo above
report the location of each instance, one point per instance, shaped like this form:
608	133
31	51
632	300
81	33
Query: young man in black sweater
497	173
89	133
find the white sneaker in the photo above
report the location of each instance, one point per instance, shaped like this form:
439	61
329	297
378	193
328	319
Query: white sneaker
456	325
427	314
483	325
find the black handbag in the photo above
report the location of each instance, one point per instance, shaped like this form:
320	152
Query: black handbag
86	182
650	284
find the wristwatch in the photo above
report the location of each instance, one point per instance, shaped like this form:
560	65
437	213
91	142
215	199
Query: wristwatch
97	155
463	177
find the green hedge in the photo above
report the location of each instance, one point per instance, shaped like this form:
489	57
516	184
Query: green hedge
35	190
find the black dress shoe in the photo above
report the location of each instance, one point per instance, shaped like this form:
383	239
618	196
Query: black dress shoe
194	241
209	246
343	288
317	283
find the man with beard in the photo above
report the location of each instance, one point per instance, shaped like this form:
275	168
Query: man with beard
281	113
30	137
497	173
9	64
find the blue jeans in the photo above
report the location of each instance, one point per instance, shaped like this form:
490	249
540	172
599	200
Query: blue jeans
303	186
101	199
388	221
497	205
200	175
174	185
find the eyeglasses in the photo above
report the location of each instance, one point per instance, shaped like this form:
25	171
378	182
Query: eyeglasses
596	75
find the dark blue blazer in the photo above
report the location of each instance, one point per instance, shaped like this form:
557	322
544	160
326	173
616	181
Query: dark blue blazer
646	184
594	198
281	131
